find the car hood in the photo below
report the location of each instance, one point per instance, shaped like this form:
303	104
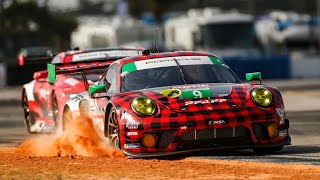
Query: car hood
200	97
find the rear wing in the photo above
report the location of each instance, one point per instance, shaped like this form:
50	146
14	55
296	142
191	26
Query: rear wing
69	65
55	69
35	55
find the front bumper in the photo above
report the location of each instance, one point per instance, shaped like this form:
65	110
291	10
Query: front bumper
286	141
246	135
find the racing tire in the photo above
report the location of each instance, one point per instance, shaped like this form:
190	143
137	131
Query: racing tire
112	128
28	117
267	150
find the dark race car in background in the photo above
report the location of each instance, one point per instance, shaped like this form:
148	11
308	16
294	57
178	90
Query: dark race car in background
42	101
178	102
35	55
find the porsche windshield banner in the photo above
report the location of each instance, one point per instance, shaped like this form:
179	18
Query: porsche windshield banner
169	61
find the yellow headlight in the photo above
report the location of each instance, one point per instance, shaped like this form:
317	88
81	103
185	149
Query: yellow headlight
143	106
261	96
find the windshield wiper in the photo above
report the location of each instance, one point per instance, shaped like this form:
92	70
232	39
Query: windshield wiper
180	70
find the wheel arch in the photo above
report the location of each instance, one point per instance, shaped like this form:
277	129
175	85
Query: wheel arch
66	107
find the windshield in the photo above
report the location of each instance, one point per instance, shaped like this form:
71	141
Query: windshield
235	35
171	75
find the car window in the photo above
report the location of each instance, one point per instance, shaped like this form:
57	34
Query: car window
111	79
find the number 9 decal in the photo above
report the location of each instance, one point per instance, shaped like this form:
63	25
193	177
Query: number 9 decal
197	94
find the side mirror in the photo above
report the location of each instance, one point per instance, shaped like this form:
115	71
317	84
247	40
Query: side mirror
52	75
97	91
253	76
40	75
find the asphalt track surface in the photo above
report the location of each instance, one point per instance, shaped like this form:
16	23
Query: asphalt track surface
304	129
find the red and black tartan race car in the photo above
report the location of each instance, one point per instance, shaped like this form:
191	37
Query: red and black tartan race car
178	102
43	101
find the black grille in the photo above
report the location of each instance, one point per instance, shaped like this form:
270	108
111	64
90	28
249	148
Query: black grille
224	132
206	138
204	134
165	139
214	133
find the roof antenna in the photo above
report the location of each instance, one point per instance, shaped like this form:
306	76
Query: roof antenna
157	42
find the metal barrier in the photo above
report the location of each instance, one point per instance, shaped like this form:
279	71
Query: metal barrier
271	67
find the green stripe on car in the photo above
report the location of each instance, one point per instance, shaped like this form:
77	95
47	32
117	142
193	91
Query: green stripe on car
215	60
129	67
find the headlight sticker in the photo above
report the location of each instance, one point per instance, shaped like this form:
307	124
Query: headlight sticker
172	93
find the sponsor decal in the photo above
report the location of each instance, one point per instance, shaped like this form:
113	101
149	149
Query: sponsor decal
104	54
169	61
200	86
280	112
77	98
183	127
132	125
212	122
132	146
132	133
205	101
196	93
72	95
